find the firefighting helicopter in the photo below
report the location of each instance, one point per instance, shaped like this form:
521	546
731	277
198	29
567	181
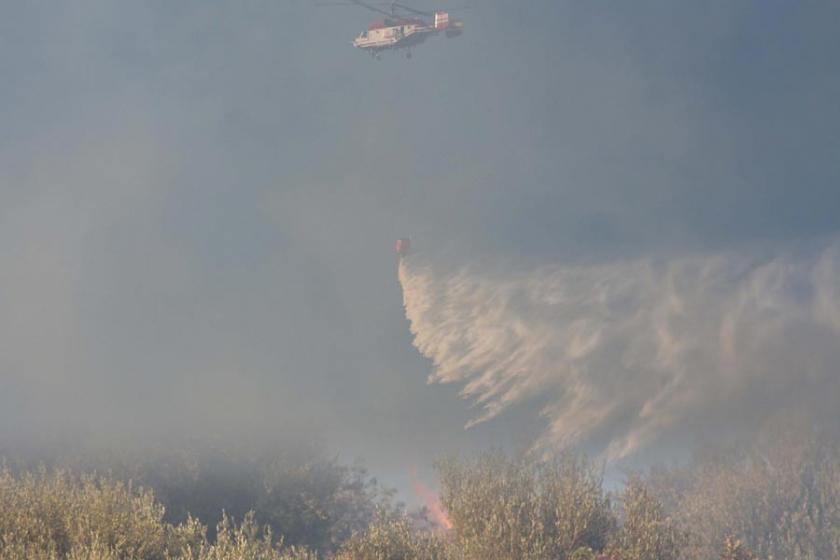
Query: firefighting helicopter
403	28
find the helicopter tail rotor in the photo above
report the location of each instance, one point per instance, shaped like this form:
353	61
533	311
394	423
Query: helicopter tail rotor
441	20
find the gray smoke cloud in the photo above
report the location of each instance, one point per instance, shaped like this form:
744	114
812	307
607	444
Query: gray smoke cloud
627	355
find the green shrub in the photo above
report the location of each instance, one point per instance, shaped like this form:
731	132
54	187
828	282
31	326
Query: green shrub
781	499
734	549
393	538
247	541
54	515
503	508
646	532
294	487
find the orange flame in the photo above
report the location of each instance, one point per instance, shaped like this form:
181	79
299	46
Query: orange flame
430	499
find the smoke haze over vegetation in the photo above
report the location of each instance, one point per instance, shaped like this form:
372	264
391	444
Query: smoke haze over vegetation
626	224
197	202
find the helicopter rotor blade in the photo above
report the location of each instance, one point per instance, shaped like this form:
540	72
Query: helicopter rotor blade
365	5
411	10
415	11
393	5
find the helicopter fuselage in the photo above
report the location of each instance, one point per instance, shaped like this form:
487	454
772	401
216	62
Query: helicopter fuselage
404	33
394	34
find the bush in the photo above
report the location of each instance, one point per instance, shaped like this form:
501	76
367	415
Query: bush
393	538
58	516
646	532
503	508
247	541
774	501
294	487
734	549
780	499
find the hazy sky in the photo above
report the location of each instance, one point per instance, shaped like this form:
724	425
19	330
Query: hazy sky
198	199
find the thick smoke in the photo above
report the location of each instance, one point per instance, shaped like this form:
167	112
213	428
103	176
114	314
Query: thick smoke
630	355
